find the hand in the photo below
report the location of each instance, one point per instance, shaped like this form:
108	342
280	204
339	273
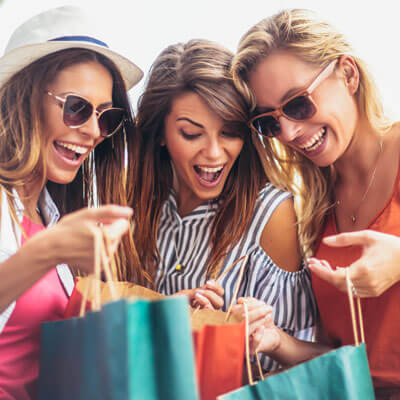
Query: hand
374	272
73	236
207	296
264	335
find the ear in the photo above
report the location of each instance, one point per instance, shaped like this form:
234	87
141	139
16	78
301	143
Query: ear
349	70
162	140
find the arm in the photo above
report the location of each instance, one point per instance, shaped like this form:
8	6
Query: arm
70	241
285	349
279	237
265	337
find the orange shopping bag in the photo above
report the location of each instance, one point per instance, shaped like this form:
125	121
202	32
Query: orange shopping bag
219	352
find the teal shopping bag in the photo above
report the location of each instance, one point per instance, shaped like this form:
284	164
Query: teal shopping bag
130	349
341	374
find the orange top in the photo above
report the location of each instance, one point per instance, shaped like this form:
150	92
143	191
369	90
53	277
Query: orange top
381	314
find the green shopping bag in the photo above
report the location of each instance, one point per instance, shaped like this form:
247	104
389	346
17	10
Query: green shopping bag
125	350
129	350
339	374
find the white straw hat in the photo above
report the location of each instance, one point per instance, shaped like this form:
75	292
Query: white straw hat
58	29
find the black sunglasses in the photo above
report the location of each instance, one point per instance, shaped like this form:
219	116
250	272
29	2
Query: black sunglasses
77	111
298	107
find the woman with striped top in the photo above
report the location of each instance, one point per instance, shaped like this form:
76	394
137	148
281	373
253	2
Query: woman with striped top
202	198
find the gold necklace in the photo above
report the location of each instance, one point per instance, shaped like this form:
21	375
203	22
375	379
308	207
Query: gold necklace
353	216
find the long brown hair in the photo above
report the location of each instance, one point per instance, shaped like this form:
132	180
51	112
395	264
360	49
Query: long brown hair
315	41
105	177
203	68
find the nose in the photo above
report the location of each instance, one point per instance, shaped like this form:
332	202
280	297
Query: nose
213	148
289	129
91	127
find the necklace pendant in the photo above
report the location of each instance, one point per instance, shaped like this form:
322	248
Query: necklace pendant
353	219
179	267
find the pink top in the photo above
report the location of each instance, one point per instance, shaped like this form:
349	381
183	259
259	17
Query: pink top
19	341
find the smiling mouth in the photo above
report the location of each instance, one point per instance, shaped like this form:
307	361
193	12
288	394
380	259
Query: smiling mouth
314	142
208	174
70	151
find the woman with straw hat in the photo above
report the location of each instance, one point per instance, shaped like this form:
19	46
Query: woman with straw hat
64	120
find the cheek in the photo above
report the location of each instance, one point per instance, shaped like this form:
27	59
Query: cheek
101	140
235	148
179	152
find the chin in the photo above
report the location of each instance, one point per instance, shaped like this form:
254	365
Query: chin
64	179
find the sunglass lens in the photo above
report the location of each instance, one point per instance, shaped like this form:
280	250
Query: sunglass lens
76	111
110	120
267	126
300	108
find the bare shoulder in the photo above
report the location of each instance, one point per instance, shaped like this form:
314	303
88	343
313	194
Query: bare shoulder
392	138
279	238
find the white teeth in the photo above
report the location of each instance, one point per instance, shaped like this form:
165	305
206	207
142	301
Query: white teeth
210	169
315	141
73	147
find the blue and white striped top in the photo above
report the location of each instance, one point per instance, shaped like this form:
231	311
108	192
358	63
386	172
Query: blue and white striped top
290	293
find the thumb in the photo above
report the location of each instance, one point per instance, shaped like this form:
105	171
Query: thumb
348	239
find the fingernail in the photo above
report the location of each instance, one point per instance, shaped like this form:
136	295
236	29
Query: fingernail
211	283
199	296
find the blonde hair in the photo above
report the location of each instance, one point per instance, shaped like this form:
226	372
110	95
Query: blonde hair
317	42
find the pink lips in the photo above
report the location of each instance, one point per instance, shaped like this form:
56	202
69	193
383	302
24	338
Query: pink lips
65	155
210	182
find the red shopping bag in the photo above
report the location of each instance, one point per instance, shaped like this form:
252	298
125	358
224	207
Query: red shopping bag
219	349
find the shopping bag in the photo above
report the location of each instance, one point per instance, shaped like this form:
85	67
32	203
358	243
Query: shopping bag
123	290
219	347
339	374
127	349
218	337
219	340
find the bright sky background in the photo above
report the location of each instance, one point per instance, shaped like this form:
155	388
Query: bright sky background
141	29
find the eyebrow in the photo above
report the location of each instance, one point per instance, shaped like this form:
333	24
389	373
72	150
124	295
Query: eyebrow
191	121
102	105
291	92
105	105
286	96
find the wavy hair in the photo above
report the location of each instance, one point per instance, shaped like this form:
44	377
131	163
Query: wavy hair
105	177
315	41
203	68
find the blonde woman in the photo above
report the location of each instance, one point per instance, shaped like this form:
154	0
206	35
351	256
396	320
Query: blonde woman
62	97
317	108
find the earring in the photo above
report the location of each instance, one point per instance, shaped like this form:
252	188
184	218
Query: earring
125	157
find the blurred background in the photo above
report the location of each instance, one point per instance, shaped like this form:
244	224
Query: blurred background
141	29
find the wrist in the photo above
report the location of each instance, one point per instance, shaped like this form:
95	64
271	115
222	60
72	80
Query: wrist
44	249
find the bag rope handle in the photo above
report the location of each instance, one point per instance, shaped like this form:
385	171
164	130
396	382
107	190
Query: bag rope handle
239	281
248	363
353	311
102	258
